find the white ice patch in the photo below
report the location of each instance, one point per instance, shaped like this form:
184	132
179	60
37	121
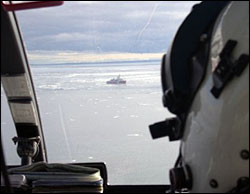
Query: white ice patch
144	104
52	87
115	117
129	98
73	75
134	135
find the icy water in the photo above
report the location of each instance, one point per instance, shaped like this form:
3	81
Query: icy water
86	120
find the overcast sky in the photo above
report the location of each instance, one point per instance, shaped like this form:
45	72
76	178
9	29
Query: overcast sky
80	29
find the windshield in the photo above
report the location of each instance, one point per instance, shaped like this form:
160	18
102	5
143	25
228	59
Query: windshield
96	70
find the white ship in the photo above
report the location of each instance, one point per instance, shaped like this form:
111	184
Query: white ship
117	80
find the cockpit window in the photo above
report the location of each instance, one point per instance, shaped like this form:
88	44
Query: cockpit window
8	132
96	70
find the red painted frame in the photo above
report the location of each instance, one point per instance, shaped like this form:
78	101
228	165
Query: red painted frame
30	5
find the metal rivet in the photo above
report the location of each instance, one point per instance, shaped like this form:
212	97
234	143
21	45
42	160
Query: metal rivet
213	183
244	154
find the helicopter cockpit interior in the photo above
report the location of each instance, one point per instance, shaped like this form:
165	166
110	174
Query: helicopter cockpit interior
204	103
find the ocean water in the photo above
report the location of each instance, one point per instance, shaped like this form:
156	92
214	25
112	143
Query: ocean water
86	120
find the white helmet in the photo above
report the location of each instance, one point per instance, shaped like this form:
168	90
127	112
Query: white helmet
210	98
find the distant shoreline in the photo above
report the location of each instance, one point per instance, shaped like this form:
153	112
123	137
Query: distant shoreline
99	63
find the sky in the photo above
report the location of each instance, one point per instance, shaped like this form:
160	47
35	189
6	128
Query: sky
94	31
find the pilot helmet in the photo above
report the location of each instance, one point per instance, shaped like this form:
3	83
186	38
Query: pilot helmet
205	80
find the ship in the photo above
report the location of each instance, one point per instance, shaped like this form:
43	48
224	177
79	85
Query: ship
117	80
